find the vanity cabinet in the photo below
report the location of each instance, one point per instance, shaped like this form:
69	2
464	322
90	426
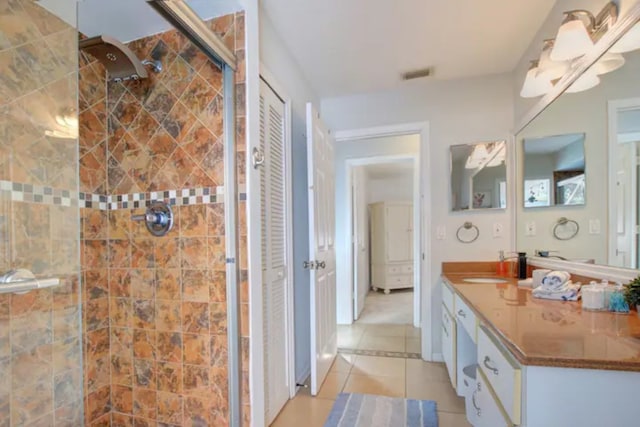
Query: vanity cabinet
510	392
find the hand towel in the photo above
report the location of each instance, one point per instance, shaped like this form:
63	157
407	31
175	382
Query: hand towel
568	292
556	279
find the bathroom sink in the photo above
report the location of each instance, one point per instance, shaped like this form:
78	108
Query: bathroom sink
484	280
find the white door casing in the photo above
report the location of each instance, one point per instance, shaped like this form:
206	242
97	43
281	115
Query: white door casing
274	251
320	167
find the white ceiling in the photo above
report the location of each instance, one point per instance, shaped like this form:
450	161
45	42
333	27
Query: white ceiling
128	20
356	46
551	144
393	170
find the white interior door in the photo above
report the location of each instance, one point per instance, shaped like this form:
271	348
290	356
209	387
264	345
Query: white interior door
274	264
320	159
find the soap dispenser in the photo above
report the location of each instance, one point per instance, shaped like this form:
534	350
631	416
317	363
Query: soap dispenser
501	269
522	265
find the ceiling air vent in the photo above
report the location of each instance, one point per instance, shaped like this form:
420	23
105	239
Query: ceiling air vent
418	74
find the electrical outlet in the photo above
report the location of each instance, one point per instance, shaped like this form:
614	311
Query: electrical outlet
497	230
530	228
594	226
441	232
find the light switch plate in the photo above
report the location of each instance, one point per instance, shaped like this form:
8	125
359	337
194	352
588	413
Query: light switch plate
441	232
530	228
498	230
594	226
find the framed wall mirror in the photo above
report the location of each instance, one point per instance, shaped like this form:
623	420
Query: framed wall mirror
554	171
603	119
479	176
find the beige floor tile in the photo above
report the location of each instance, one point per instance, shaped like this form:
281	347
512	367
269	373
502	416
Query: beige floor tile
382	343
419	370
379	366
350	336
448	419
385	331
343	363
440	391
304	411
412	345
369	384
333	385
412	332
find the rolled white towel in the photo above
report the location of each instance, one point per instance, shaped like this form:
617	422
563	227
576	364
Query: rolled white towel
568	292
556	279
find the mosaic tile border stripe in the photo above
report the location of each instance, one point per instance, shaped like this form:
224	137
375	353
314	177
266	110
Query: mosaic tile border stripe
28	193
380	353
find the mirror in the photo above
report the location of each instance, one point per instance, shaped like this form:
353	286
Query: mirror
594	211
479	176
554	170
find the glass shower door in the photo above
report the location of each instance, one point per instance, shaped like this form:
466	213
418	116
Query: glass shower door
40	330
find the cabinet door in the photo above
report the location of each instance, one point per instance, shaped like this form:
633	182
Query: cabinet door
449	344
399	234
485	410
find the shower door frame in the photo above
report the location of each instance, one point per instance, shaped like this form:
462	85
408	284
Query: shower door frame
185	20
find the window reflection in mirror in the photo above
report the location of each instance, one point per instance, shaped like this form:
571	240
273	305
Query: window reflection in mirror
479	176
554	171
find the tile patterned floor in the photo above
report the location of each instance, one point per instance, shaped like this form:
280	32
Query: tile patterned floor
396	338
394	377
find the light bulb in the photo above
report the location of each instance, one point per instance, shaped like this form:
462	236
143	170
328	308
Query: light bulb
609	62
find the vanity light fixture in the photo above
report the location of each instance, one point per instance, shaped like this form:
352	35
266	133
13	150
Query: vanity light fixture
551	69
580	30
630	41
535	83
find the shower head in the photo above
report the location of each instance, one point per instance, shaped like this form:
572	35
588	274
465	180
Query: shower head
120	61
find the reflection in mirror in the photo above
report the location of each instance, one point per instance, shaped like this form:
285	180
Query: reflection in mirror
624	151
604	202
554	170
479	176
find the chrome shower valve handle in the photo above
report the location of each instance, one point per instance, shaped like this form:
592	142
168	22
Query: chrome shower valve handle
158	218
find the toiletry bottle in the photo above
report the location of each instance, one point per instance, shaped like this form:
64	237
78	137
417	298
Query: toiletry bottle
522	265
501	269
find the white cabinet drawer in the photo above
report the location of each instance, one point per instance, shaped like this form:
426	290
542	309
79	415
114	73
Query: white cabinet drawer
393	281
407	269
394	269
449	352
502	372
466	317
447	297
485	411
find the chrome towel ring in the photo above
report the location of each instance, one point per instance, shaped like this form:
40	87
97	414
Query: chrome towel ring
567	225
468	226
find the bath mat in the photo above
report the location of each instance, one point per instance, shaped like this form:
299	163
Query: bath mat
366	410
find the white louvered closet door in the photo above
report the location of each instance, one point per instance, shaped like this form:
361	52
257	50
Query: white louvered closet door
274	268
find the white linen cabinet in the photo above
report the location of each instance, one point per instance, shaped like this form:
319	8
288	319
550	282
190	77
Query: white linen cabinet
391	245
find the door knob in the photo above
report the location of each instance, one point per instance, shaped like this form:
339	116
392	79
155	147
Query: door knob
308	265
320	264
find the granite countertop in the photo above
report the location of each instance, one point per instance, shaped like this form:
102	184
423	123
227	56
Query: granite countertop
551	333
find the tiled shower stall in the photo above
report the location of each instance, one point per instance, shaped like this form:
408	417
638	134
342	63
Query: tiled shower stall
137	332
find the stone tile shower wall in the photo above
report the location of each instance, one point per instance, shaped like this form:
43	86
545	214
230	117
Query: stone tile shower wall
40	351
164	298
